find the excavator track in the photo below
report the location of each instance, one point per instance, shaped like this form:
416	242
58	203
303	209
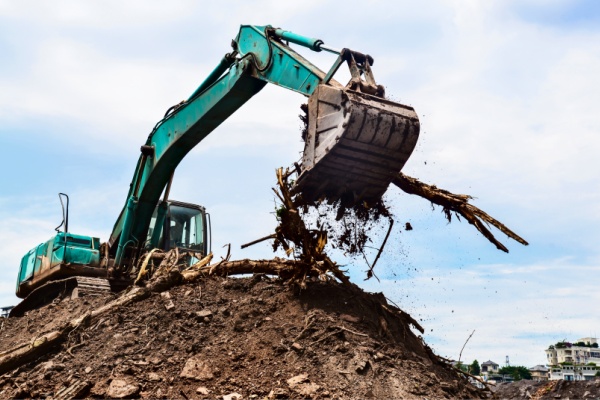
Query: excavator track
73	287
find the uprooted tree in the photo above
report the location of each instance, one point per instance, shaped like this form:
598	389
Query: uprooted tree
307	245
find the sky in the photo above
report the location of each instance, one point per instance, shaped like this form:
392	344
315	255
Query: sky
507	94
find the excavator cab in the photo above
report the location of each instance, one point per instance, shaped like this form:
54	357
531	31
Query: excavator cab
186	226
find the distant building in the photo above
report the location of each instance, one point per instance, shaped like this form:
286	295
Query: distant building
489	367
572	372
573	361
539	373
583	351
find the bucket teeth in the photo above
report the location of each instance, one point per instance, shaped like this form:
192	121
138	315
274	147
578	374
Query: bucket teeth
355	145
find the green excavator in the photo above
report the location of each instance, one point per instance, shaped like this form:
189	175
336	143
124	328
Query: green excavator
355	144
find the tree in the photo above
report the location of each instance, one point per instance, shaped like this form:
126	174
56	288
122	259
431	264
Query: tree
462	366
475	368
517	372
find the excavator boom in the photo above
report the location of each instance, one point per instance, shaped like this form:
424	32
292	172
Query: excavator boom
356	143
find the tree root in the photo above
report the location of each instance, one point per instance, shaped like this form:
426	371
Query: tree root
459	204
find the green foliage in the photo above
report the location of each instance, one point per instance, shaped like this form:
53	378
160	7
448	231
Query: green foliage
561	345
566	363
595	345
475	368
593	364
460	365
597	373
517	372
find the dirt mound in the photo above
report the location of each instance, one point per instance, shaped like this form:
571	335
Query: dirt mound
548	390
218	338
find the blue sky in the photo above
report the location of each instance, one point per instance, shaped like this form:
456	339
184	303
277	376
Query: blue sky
507	93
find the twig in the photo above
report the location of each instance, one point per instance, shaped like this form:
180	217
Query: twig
327	336
352	332
73	348
387	235
461	350
272	236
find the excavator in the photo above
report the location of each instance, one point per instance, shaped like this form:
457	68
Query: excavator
356	142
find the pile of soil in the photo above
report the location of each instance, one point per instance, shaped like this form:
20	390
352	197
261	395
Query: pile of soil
550	390
232	338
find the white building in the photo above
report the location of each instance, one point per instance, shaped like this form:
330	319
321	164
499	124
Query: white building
572	372
573	361
575	353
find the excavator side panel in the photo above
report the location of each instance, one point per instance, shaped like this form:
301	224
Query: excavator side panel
356	143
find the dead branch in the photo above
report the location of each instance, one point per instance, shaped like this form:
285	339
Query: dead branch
459	204
461	350
387	235
262	239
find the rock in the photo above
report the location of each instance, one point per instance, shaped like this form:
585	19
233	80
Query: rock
586	394
232	396
122	389
169	305
202	390
297	379
204	314
154	377
196	369
278	393
87	370
297	346
165	295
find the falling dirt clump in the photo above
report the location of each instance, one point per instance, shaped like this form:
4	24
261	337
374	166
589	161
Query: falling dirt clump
216	337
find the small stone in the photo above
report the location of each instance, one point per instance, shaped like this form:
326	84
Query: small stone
278	393
169	305
155	360
297	346
232	396
297	379
196	369
88	370
378	356
202	390
122	389
187	293
154	377
268	318
206	313
165	295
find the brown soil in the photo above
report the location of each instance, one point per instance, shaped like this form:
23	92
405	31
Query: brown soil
254	336
548	390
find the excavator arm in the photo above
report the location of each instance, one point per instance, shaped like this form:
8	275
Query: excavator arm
356	117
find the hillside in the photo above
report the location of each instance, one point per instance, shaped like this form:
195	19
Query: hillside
219	338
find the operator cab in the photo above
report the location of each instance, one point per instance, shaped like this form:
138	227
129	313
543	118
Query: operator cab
186	226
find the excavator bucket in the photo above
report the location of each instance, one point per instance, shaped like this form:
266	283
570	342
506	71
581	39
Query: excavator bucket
355	144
